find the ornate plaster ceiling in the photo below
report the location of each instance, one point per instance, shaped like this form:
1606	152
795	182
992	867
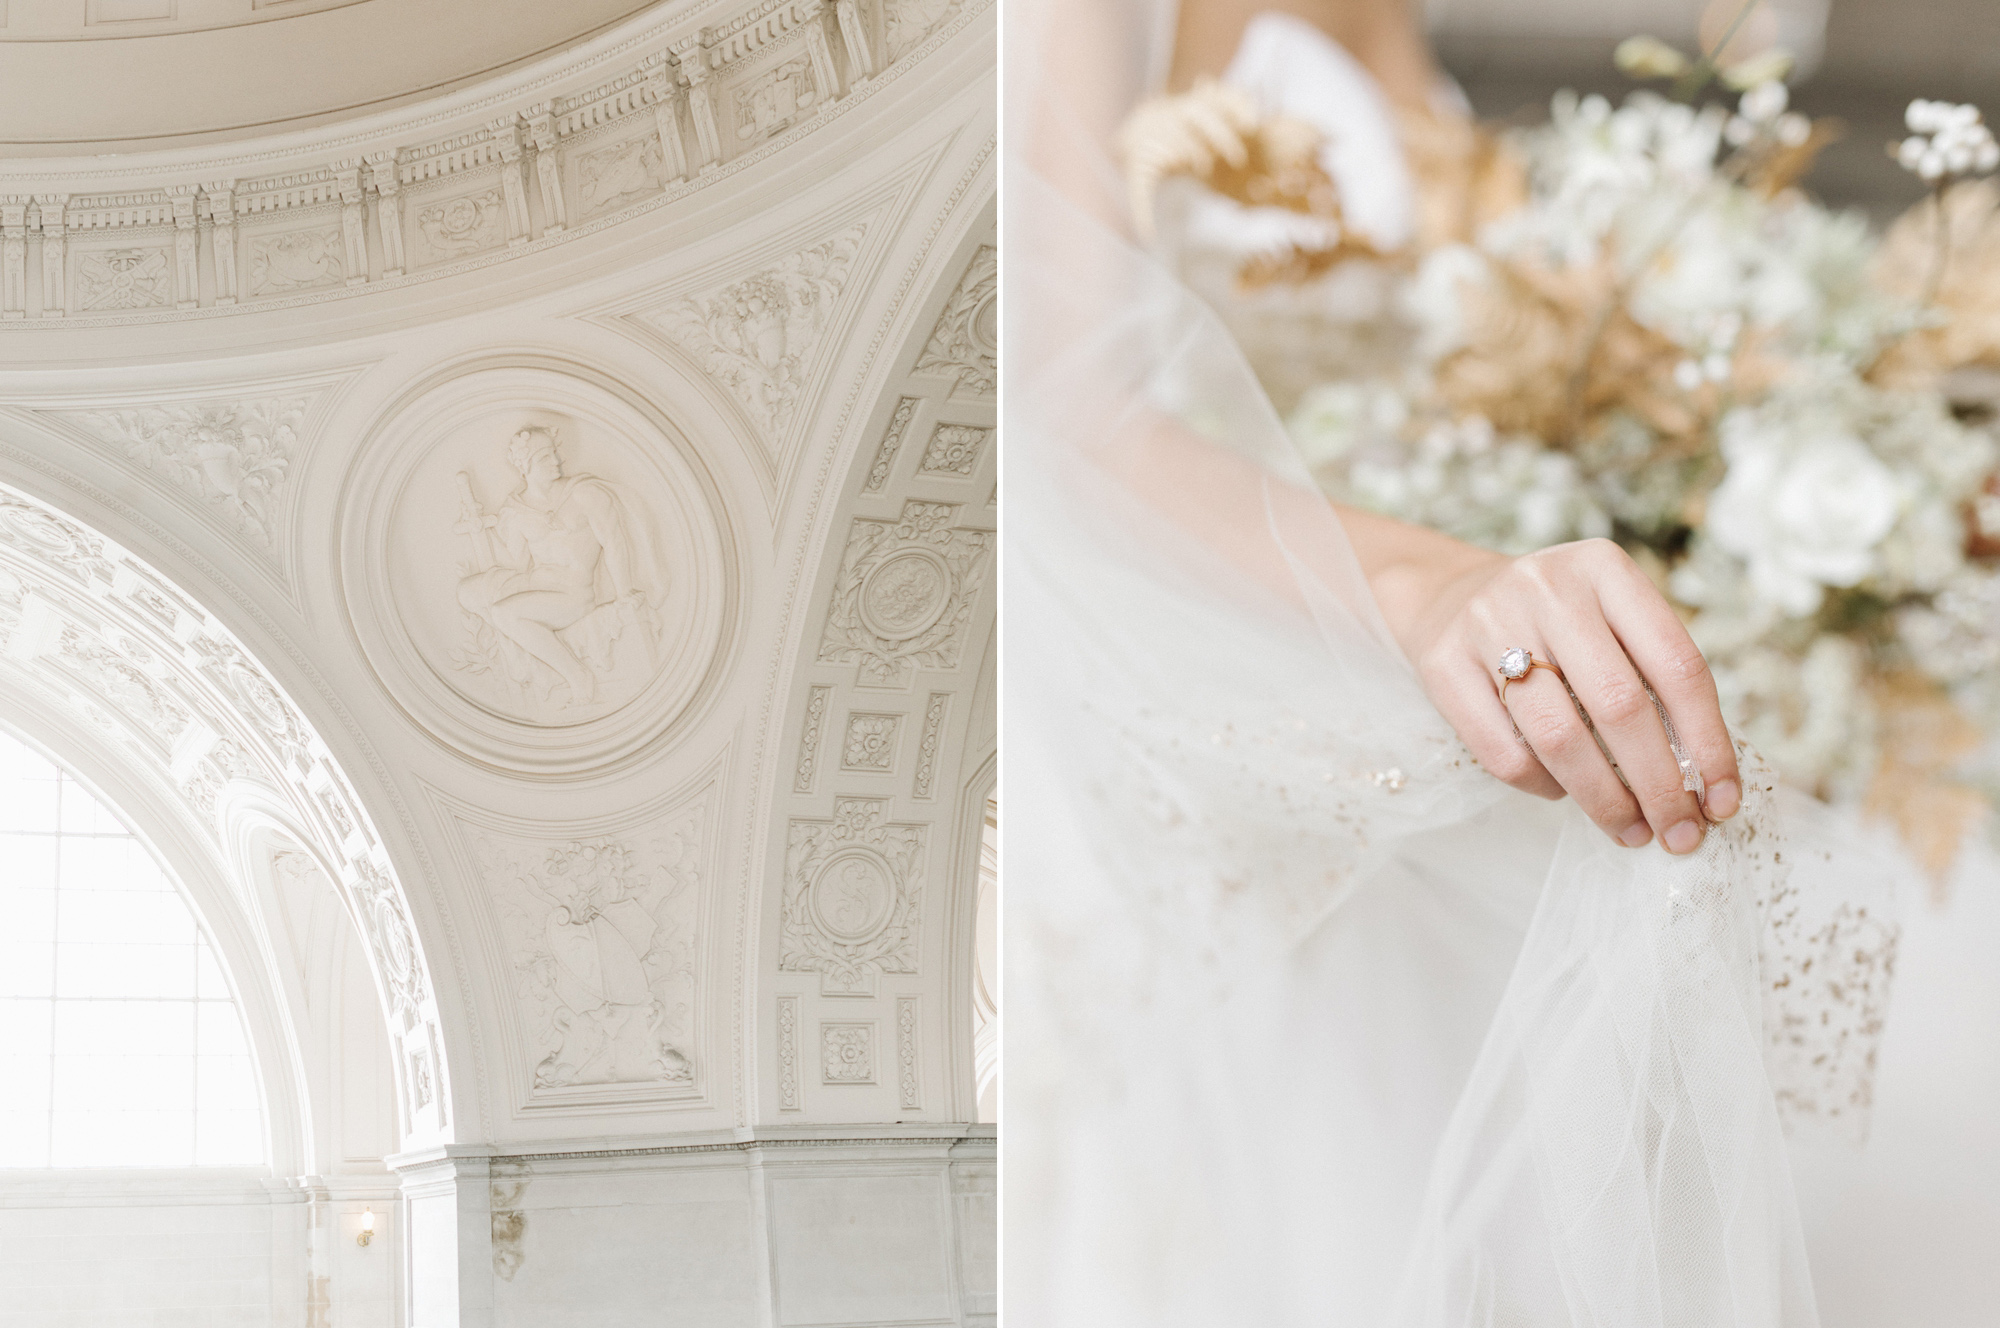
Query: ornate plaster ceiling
84	77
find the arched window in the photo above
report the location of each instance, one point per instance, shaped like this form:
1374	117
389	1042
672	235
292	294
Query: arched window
120	1043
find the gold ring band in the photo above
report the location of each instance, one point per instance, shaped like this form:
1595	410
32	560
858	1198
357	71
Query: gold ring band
1516	664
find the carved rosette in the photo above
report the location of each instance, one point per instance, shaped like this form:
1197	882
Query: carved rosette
905	592
853	897
847	1053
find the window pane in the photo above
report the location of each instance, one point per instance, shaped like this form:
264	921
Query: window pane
27	862
27	967
87	969
24	1138
120	1043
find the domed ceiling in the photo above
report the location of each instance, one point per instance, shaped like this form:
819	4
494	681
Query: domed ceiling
88	77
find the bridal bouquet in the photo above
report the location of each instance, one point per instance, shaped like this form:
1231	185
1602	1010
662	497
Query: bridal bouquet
1631	323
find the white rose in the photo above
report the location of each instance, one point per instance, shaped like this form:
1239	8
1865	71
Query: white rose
1803	515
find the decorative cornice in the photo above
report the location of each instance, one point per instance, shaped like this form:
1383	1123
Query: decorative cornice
678	101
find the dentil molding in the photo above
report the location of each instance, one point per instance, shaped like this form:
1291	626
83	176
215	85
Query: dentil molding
661	107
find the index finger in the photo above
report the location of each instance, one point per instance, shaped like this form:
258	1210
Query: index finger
1668	659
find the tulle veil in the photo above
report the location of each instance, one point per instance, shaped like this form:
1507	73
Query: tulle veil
1309	1020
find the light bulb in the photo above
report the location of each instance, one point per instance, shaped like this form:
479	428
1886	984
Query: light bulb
367	1227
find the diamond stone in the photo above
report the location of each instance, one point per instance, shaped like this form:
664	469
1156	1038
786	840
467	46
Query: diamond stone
1514	664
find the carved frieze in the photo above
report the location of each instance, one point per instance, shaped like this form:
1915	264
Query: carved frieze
231	455
853	897
461	226
774	101
624	172
904	593
135	278
602	936
296	261
906	23
965	345
755	336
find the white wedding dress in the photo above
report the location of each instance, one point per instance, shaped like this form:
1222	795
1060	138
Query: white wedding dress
1309	1020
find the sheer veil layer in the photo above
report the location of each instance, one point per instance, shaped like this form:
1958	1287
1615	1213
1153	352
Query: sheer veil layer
1309	1019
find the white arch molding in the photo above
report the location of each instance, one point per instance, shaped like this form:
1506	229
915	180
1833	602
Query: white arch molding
90	631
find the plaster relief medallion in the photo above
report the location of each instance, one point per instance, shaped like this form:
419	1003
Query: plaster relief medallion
905	593
550	584
770	104
847	1053
623	173
455	227
296	260
602	934
853	897
109	279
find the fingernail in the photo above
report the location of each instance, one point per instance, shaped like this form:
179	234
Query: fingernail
1682	838
1723	800
1636	835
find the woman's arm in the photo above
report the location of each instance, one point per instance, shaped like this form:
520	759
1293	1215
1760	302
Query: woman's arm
1587	608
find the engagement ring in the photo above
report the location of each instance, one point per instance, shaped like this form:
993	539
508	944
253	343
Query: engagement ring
1514	665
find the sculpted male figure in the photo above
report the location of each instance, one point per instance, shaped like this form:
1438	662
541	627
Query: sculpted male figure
556	553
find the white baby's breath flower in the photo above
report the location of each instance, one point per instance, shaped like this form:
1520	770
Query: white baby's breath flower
1946	140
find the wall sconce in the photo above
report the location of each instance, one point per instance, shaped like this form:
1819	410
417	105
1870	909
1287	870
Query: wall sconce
367	1227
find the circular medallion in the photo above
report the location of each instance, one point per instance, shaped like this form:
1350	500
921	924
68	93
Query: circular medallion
852	895
536	568
905	594
985	325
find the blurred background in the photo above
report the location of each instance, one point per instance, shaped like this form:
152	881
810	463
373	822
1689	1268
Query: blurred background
1860	60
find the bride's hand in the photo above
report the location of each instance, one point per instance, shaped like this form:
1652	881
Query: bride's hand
1587	608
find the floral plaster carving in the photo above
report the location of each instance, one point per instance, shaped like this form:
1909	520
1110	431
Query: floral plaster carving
965	345
909	1087
603	937
467	224
788	1053
622	173
853	896
755	336
232	455
892	440
847	1053
386	923
296	260
904	594
927	749
809	736
871	743
109	279
954	449
908	22
770	104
